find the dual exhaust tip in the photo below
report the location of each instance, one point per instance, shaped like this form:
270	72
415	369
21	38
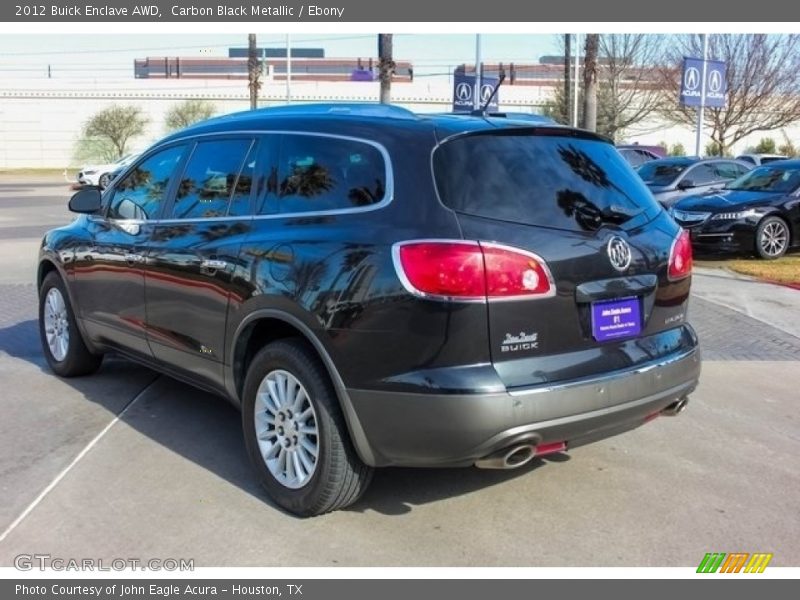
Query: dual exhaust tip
519	455
676	408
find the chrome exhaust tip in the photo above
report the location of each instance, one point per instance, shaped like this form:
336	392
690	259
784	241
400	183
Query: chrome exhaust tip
508	458
676	408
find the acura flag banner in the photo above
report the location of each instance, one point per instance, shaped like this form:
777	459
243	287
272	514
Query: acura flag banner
692	83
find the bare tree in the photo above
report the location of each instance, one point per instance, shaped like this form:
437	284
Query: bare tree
114	127
253	70
628	69
385	66
627	87
763	89
590	82
189	112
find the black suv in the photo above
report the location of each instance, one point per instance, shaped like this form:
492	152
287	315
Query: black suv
374	287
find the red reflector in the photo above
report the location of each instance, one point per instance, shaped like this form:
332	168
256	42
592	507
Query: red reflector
467	270
552	448
453	269
680	257
650	417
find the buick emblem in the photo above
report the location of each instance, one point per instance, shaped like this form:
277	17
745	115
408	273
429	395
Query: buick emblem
619	253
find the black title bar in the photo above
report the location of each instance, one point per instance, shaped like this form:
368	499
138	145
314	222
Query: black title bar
355	11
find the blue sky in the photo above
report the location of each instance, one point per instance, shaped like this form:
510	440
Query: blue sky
98	55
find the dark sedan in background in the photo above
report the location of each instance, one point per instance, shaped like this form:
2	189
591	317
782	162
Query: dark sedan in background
671	179
758	213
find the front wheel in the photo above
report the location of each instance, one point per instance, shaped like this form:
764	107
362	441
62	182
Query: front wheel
772	238
295	432
63	346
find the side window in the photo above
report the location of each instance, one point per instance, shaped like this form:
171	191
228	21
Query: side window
240	200
210	179
741	170
748	159
701	175
727	170
317	173
142	192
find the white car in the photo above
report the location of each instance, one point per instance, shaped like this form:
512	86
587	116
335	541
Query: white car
761	159
101	175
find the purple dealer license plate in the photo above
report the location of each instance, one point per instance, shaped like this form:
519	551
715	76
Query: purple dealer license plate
616	319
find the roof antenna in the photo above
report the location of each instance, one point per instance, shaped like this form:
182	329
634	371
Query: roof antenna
481	112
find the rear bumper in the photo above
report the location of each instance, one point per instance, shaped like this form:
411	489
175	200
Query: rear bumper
407	429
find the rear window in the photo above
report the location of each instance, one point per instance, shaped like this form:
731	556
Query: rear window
661	173
546	180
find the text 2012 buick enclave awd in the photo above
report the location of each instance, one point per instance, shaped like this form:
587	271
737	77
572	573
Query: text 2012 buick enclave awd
374	287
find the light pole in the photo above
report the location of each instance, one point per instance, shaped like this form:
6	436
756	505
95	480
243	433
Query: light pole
476	93
700	108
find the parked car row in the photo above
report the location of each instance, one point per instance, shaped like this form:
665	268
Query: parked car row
750	204
759	212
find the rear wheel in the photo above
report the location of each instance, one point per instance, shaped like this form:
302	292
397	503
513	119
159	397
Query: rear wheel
295	432
772	238
63	346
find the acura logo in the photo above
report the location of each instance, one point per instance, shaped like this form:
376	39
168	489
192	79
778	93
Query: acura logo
715	81
619	253
691	80
463	92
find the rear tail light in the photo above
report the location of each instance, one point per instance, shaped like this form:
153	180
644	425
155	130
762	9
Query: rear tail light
680	257
471	271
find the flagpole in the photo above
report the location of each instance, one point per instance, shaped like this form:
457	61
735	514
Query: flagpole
699	126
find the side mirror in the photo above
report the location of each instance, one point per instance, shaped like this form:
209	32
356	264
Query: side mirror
86	201
686	184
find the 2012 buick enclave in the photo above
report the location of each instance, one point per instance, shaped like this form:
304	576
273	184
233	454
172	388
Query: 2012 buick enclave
374	287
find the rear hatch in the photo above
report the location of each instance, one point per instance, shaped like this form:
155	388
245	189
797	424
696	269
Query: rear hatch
570	202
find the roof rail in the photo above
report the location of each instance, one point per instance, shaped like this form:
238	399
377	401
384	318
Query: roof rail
356	109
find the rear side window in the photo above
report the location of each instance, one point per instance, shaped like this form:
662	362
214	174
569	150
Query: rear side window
318	173
702	175
727	170
210	179
142	192
662	172
547	180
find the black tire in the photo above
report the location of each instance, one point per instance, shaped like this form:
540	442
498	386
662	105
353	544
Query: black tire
339	477
104	180
78	360
772	238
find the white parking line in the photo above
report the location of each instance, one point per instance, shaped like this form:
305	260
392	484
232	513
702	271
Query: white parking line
74	462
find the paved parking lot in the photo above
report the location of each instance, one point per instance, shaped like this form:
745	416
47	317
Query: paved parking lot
168	476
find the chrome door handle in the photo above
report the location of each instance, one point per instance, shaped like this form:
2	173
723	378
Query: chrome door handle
212	264
134	258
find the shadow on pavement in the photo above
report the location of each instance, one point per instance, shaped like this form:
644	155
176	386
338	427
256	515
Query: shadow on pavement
396	491
206	429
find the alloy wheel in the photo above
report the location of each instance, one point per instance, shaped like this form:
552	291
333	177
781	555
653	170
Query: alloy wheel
286	429
56	324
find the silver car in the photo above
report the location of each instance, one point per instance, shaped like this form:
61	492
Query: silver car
671	179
